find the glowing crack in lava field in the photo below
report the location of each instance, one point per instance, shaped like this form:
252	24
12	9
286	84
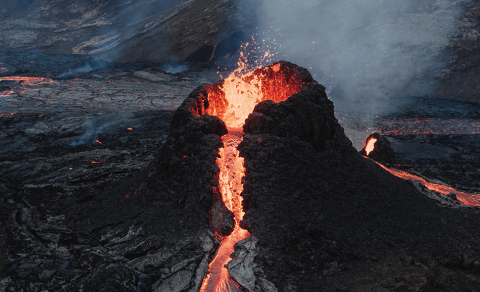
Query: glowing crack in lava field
240	92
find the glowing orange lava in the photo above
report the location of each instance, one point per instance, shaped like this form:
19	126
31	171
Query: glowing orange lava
230	183
467	199
370	145
28	80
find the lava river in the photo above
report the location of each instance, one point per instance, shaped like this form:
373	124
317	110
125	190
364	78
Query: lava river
230	183
465	198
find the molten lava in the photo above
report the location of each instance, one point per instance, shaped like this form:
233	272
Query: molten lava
467	199
230	183
28	80
370	145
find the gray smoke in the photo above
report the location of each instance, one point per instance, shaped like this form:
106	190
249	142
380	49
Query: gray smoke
90	132
174	67
109	124
89	66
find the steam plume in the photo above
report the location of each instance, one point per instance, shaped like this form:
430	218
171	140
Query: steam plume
364	51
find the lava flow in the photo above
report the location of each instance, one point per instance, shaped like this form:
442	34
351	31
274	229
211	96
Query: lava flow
230	183
466	198
233	102
30	81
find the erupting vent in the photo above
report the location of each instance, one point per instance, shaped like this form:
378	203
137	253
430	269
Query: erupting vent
232	100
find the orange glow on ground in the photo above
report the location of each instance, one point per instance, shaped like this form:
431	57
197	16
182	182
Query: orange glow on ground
370	145
467	199
97	162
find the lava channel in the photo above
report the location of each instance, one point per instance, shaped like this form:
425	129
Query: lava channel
230	183
465	198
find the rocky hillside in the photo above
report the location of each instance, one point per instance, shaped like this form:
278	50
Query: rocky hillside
120	30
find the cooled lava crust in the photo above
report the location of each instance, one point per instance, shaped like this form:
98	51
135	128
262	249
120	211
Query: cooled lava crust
326	218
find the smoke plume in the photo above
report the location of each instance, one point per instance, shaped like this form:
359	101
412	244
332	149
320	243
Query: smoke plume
368	53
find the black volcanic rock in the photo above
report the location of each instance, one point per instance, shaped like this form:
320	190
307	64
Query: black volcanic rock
307	115
116	277
187	160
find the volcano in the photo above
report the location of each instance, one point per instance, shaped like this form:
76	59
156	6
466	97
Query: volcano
277	183
320	215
